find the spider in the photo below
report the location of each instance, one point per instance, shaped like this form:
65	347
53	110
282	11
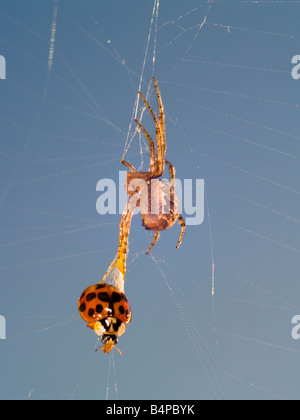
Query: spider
157	199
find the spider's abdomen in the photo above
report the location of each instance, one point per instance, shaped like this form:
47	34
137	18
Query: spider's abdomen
163	206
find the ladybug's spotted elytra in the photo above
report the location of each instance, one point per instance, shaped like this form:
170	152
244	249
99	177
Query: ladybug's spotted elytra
107	312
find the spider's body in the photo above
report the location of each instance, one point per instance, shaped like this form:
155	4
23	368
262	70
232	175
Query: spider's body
163	206
158	201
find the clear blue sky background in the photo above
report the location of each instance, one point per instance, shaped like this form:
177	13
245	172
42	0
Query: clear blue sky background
232	112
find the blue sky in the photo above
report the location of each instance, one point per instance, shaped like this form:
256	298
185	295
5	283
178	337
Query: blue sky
232	114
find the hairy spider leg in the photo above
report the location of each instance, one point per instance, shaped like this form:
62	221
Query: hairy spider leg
160	132
155	239
153	161
157	161
129	166
147	176
173	182
182	224
161	121
172	171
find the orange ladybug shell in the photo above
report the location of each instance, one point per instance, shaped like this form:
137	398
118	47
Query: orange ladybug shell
101	301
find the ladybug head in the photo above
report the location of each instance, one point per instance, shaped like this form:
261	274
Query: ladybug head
109	342
109	329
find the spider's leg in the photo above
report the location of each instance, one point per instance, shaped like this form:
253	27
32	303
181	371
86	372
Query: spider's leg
129	166
132	171
160	162
172	186
162	123
172	173
152	147
182	224
155	239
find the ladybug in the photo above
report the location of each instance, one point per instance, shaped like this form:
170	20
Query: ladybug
107	312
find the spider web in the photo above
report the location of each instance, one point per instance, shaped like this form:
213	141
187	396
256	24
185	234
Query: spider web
212	320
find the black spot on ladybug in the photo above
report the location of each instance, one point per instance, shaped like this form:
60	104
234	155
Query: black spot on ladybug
99	309
111	309
83	294
116	326
124	297
116	297
82	307
99	286
90	297
105	324
91	312
121	309
103	296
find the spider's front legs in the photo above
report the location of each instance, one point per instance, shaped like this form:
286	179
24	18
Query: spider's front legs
153	160
161	141
129	166
160	132
131	176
